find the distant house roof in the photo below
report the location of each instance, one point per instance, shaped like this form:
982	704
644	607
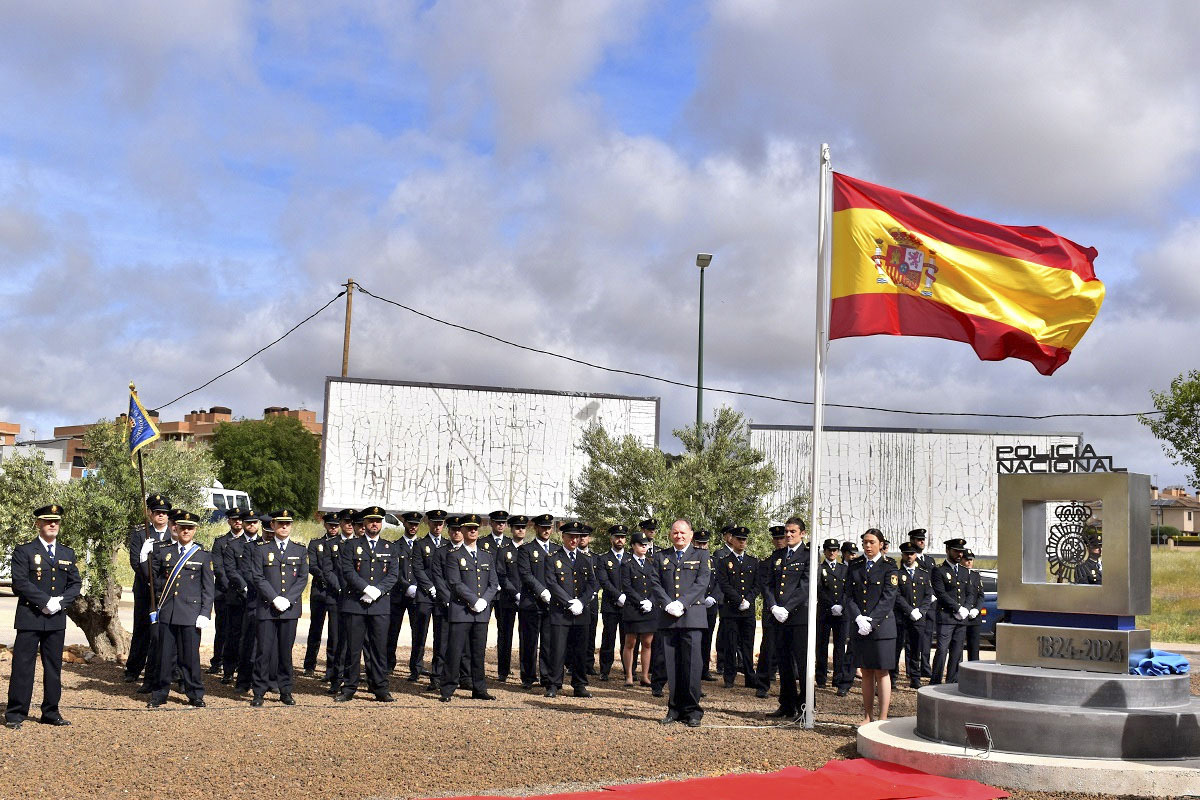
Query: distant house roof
1175	502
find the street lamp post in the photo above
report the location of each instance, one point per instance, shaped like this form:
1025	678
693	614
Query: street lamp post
702	261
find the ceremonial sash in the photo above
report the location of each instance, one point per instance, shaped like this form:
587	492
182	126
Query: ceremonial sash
174	576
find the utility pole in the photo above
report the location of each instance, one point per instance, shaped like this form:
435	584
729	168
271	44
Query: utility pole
346	338
702	261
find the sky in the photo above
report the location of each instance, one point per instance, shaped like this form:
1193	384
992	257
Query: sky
182	183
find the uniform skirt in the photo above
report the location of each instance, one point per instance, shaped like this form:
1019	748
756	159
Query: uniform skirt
640	623
874	653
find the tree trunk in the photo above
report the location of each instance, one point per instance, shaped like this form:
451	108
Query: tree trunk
98	618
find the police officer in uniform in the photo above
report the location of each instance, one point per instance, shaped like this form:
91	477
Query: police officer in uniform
767	657
974	607
1091	571
534	608
369	572
505	604
701	541
871	586
185	583
593	609
683	576
831	618
914	599
45	580
571	582
280	570
472	584
639	614
221	625
787	603
239	576
612	602
951	587
917	537
427	599
340	660
404	596
737	580
157	509
322	597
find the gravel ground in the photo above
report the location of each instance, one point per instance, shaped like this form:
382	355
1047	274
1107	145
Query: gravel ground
522	744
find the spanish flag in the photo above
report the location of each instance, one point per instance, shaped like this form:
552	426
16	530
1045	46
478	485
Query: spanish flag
904	266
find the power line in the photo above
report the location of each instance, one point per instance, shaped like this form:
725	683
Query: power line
757	395
252	355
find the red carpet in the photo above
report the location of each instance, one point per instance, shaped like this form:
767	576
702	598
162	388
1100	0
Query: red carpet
858	779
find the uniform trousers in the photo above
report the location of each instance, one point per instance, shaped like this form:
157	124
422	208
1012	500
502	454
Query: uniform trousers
234	616
467	644
910	637
612	633
532	625
366	636
139	644
341	653
831	627
790	641
593	625
401	605
706	640
321	614
566	650
418	624
441	631
179	647
247	649
273	667
506	617
20	685
949	652
724	630
658	662
738	636
767	666
931	638
972	641
220	632
684	661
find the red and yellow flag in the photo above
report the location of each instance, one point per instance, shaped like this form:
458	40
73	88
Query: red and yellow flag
904	266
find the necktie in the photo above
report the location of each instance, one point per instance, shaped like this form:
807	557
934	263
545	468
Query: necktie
282	548
51	552
870	563
740	559
572	556
678	556
372	543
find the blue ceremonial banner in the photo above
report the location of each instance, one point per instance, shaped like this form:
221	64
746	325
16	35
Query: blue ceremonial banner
142	430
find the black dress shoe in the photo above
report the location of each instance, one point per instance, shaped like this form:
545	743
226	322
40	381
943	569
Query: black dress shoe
728	684
760	692
14	725
197	703
444	698
342	697
57	721
669	718
416	676
213	670
309	673
385	697
502	679
257	701
483	696
707	677
842	692
287	699
780	713
144	689
551	692
156	704
656	692
130	679
582	693
604	676
228	680
692	723
526	685
914	685
703	693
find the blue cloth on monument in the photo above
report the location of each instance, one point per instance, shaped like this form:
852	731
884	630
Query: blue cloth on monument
1160	662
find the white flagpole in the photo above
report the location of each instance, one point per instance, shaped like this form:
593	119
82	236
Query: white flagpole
822	349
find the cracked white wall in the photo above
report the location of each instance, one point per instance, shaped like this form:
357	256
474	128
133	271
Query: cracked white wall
897	480
463	449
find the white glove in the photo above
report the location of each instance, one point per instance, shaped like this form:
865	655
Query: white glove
147	546
575	607
373	591
518	597
411	591
480	605
54	605
674	608
961	613
745	604
621	601
864	628
201	622
645	606
836	610
281	603
973	613
861	620
915	614
709	602
545	595
433	592
366	598
779	613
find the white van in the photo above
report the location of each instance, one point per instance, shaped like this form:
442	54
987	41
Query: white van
218	501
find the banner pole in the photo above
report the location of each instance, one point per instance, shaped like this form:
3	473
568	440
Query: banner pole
821	350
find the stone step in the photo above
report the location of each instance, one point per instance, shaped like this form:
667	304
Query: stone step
1061	730
1072	687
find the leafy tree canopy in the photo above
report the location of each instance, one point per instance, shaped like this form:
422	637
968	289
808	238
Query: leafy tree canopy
1178	427
276	460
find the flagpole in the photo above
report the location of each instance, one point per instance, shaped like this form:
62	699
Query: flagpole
821	350
145	516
